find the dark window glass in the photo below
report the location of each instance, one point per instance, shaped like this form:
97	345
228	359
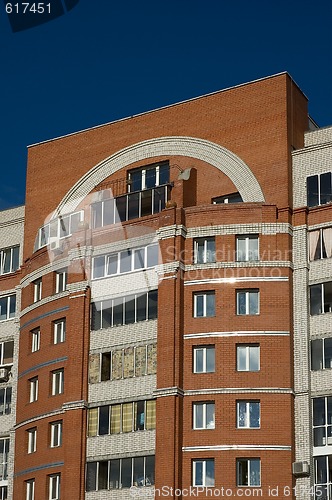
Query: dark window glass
136	180
121	206
112	264
159	199
114	474
312	191
103	475
140	415
139	258
126	472
98	267
146	203
139	479
96	316
153	304
107	313
125	261
133	205
150	178
141	307
91	476
106	366
118	311
325	188
163	173
104	417
130	309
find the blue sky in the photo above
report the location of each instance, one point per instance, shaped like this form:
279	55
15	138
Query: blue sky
105	60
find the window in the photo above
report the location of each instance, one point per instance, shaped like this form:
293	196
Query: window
56	434
247	358
124	417
30	489
6	353
60	281
57	382
247	302
57	229
320	244
204	359
228	198
125	261
321	298
5	401
322	421
247	248
3	492
319	189
148	177
248	472
321	354
203	415
35	340
54	487
7	307
32	440
124	310
120	473
33	389
9	260
59	331
204	250
323	477
37	290
203	472
4	452
248	414
204	304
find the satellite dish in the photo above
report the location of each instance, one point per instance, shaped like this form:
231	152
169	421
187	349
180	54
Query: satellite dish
184	176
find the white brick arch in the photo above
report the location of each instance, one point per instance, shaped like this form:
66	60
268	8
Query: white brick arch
210	152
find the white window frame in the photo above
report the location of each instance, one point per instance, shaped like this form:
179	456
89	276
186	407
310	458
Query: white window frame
204	350
3	254
247	352
54	484
205	241
56	434
30	489
35	340
2	353
59	331
204	475
247	238
143	174
33	389
4	459
6	407
37	290
57	382
247	304
247	423
8	314
204	295
60	281
249	463
203	406
32	440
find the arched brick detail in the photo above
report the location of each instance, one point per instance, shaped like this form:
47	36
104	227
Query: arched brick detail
214	154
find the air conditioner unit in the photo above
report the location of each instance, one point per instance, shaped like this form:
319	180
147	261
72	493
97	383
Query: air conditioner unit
300	469
56	246
4	372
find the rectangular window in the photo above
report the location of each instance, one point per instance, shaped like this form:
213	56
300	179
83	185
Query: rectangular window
57	382
321	354
33	389
323	477
56	434
203	472
35	340
60	281
228	198
6	353
4	452
247	302
204	250
51	233
321	298
54	487
59	331
9	260
320	243
248	414
32	440
319	189
30	489
126	261
120	473
247	357
5	401
7	307
124	310
247	248
248	472
148	177
203	415
37	290
204	304
204	359
322	421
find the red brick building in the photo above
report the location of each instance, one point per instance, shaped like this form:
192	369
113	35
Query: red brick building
156	323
